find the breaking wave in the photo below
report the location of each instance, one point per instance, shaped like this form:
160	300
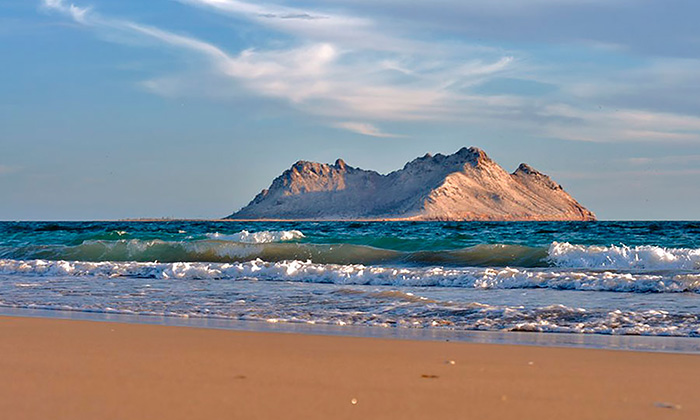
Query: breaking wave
221	250
278	246
647	257
263	237
358	274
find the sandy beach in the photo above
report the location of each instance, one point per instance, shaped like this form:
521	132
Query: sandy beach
63	369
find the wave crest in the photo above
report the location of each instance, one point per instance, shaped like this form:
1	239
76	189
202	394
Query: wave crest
263	237
646	257
278	246
358	274
223	251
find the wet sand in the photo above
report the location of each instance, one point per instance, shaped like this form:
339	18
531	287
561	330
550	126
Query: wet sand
62	369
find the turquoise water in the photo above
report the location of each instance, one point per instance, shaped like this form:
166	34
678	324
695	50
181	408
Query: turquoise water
580	277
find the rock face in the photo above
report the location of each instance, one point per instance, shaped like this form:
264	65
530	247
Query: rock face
467	185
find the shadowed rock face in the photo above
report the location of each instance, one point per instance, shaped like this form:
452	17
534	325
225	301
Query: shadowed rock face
466	185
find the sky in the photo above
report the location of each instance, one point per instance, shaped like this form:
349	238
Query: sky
188	108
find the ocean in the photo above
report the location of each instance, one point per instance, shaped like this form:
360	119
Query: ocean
612	278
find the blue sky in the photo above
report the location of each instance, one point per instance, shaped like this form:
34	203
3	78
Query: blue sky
187	108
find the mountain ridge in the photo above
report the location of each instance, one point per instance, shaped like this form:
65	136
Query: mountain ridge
466	185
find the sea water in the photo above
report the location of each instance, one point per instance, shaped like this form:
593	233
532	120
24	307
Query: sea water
614	278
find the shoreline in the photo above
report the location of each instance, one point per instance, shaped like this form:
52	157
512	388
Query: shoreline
70	369
633	343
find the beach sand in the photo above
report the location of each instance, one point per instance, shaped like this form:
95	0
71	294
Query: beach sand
63	369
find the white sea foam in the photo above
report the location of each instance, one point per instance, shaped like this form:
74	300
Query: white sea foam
262	237
306	271
467	316
563	319
564	254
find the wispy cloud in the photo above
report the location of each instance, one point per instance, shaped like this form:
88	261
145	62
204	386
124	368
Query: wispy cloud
265	12
673	160
621	174
603	125
364	129
347	68
312	25
77	13
597	23
323	78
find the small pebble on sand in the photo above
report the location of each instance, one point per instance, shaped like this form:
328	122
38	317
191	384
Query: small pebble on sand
667	405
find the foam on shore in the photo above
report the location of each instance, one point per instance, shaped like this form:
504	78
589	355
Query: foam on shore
307	271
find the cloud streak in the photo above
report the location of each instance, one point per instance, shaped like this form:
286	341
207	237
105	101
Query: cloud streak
603	125
323	78
365	129
345	69
313	26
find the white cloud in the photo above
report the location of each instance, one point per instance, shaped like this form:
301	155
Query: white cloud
325	79
282	15
314	26
346	68
364	129
79	14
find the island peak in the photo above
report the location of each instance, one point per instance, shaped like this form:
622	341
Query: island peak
466	185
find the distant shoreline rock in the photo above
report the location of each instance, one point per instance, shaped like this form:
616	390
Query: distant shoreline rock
466	185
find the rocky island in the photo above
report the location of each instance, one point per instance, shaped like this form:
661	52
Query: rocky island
466	185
